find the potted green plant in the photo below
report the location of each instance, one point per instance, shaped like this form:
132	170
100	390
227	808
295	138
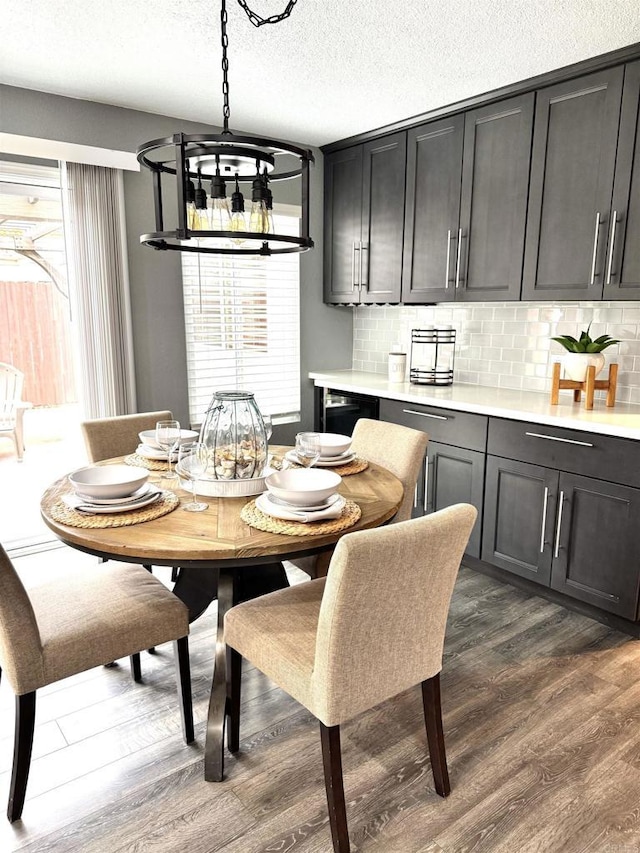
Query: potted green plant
582	352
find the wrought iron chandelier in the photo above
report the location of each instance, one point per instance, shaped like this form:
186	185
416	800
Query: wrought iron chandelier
215	224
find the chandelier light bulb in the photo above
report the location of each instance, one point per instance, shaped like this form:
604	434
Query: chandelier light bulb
238	218
202	211
219	212
192	214
259	219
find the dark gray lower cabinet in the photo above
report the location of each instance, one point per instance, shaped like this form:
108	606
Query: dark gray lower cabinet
596	555
518	518
455	475
578	535
454	467
551	512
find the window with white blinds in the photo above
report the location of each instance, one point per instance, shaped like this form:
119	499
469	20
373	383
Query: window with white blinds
242	321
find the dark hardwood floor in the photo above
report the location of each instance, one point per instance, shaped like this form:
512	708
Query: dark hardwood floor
542	722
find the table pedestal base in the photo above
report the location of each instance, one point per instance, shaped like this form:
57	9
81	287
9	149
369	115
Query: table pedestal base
197	588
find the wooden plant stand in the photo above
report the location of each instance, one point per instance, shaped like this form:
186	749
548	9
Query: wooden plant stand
589	386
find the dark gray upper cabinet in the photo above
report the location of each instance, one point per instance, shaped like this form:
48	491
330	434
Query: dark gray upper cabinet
536	196
343	223
364	221
622	273
466	207
572	168
383	181
432	211
493	209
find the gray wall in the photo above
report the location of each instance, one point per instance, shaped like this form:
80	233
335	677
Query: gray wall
156	295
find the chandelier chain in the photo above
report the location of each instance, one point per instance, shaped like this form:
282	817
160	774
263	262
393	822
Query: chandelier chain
226	112
257	21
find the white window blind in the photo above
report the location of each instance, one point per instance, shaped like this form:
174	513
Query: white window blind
242	321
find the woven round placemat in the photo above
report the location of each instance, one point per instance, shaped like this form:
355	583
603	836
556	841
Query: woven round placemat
143	462
65	515
252	516
354	467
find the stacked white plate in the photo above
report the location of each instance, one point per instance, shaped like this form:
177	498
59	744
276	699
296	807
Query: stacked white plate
143	496
150	449
302	494
277	508
148	452
324	461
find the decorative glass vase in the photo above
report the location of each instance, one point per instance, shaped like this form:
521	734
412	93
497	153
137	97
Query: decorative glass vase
234	433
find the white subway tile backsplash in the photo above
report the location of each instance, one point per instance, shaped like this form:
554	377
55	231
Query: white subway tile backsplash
503	342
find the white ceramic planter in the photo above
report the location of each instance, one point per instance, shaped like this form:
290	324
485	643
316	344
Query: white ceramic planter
576	363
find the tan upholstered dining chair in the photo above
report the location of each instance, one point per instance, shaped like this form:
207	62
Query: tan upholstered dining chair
371	629
397	448
105	438
73	624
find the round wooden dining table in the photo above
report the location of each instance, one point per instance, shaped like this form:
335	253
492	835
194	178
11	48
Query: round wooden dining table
219	555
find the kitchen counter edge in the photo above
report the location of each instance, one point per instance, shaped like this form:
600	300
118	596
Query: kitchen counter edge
622	420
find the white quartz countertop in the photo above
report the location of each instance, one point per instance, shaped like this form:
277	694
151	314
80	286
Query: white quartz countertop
622	420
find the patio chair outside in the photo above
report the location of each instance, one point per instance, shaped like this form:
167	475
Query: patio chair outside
12	406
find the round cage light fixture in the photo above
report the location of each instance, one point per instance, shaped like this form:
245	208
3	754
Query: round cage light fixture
211	222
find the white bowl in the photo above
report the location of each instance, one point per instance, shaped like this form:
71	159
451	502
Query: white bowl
108	481
303	486
148	437
333	444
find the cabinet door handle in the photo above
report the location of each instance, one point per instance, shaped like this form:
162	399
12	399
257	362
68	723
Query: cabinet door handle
459	254
353	266
544	517
595	250
614	221
425	415
446	275
559	526
557	438
361	282
426	485
415	497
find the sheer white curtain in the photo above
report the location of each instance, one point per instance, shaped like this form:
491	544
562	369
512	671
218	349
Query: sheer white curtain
94	227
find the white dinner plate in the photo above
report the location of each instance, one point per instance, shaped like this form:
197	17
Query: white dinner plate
153	453
94	509
293	507
269	508
292	456
142	492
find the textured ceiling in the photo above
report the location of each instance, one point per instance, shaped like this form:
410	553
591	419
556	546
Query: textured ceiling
333	69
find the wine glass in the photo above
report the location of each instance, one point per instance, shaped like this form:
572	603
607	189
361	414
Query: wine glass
268	431
308	448
168	437
192	464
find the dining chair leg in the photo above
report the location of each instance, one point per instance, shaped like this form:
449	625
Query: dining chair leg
24	726
152	650
136	669
332	761
183	677
435	734
234	684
